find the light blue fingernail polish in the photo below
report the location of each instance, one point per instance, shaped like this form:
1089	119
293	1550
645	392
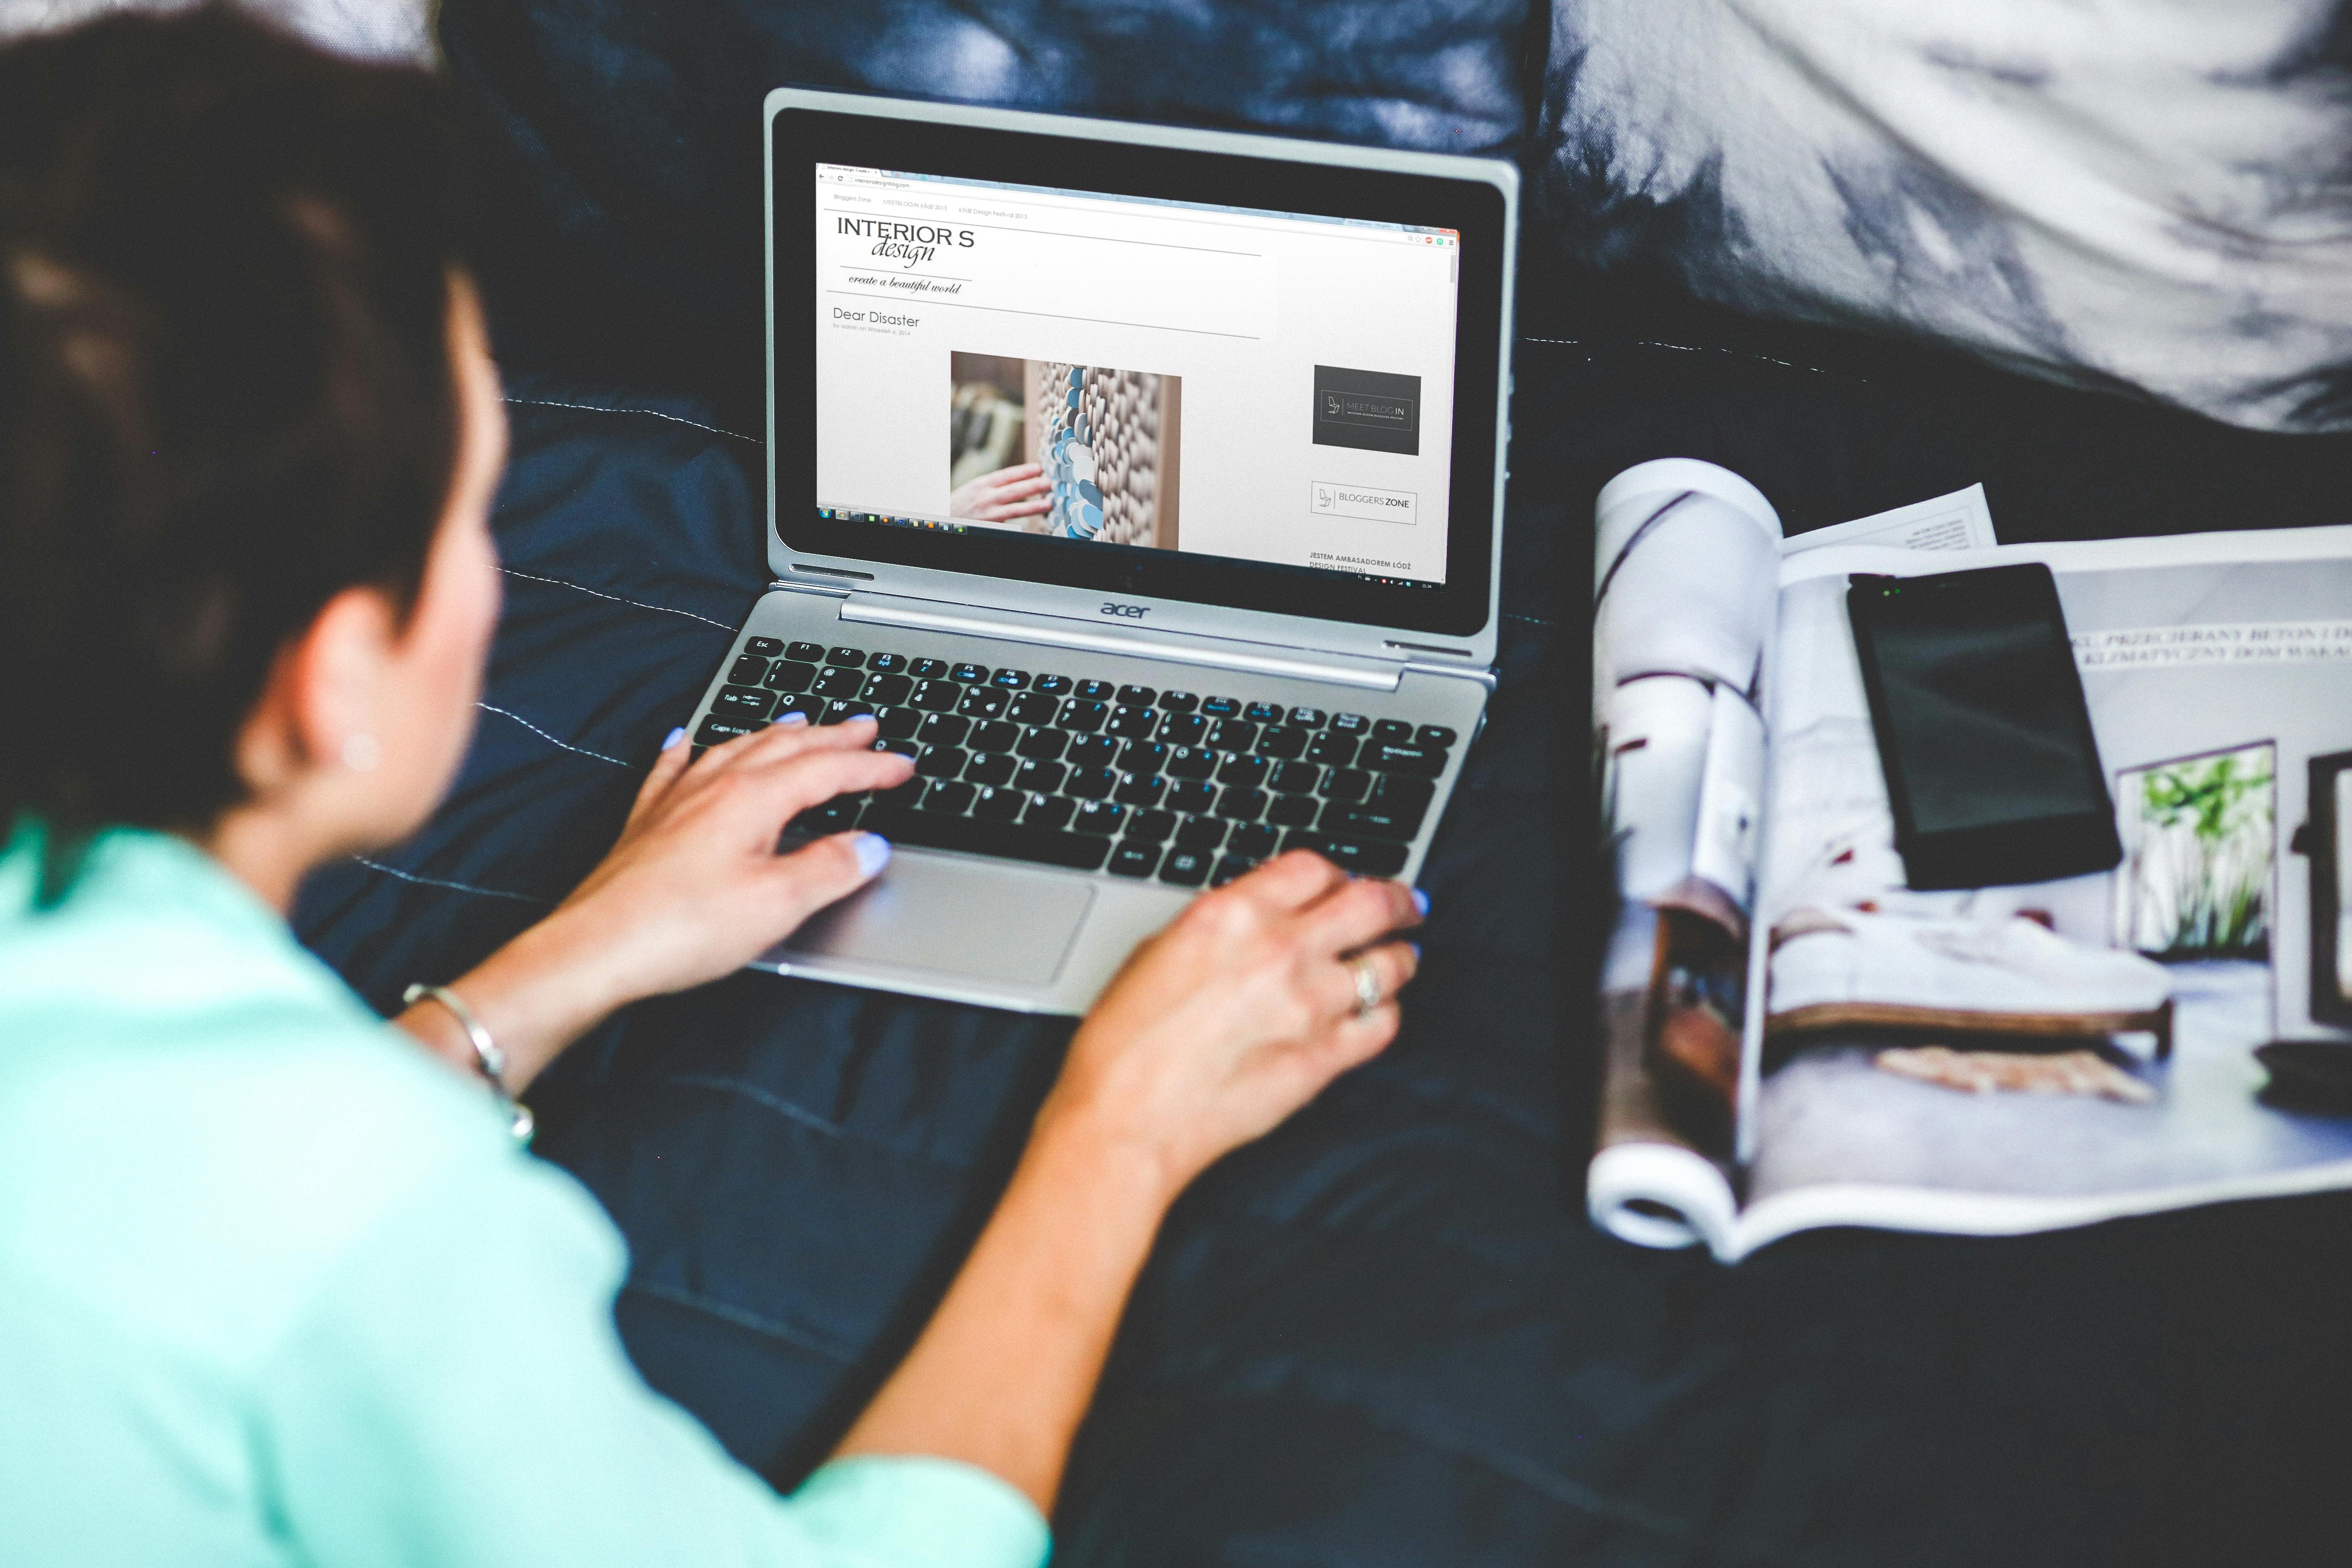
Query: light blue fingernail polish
1421	902
673	738
872	853
794	717
1416	951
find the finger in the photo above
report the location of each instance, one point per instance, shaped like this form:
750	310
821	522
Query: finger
676	754
1290	881
1355	914
774	794
1391	965
1015	471
824	871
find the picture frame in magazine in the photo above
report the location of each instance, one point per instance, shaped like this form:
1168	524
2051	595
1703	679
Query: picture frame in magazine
2325	845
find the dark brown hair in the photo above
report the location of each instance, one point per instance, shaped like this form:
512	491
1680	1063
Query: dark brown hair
226	392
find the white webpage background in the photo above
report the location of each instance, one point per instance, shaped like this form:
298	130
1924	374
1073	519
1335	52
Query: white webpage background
1242	307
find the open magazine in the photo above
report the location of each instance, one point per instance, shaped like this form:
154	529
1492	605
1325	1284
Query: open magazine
1794	1038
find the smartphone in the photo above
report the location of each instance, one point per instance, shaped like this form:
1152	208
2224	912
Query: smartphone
1983	730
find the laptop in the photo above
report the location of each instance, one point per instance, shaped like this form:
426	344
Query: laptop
1147	485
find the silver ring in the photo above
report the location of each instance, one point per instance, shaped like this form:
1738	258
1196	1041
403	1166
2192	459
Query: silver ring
1368	984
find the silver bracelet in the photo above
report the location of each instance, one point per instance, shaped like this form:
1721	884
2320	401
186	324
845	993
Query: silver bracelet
489	1060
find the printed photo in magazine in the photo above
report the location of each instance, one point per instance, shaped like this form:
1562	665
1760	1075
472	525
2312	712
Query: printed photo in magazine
1078	451
1796	1038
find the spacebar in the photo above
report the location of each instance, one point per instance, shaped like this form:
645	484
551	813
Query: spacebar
931	830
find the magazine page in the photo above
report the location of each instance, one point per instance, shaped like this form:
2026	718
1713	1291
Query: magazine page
2024	1058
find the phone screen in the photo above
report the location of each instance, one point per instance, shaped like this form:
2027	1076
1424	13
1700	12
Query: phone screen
1981	724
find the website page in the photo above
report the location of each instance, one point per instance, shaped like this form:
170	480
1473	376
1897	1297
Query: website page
1264	386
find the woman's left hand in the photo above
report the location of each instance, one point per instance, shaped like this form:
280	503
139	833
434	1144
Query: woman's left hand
693	889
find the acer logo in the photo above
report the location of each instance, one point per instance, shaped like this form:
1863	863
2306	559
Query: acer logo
1132	612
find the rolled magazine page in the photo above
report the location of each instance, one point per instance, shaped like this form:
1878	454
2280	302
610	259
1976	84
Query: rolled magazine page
1685	578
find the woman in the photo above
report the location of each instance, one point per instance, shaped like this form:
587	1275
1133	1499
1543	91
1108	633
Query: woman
275	1285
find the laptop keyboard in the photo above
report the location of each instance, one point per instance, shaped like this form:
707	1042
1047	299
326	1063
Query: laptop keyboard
1061	770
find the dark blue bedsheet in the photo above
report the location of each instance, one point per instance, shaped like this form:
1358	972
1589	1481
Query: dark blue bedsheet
1387	1335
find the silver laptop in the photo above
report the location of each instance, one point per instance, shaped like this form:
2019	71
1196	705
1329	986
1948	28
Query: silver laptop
1148	485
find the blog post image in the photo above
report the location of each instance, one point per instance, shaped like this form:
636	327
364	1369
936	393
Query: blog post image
1075	451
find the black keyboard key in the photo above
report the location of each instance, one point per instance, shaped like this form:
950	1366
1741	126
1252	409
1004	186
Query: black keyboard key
899	723
747	703
905	748
1081	717
1201	832
1178	702
839	682
1355	726
1091	784
1195	795
764	648
980	702
1142	757
994	804
1417	761
1009	679
785	675
1183	729
887	690
838	815
969	674
1154	826
887	663
1401	794
993	735
808	705
1333	749
1221	706
1247	772
717	730
1232	735
944	730
940	762
852	656
1294	778
935	696
1032	708
1283	743
1094	690
842	710
928	668
1396	732
1137	695
1139	789
947	797
805	652
1093	752
746	671
1041	745
1436	737
991	768
1098	816
1293	810
1309	718
1263	712
1053	685
1347	783
1040	778
925	830
1132	722
1229	868
1049	811
1185	867
904	796
1134	859
1191	762
1252	839
1242	804
1364	856
1369	822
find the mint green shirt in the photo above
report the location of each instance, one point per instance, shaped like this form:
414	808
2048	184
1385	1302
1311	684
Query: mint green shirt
275	1289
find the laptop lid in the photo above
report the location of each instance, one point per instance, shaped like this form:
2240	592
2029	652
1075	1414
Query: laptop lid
1193	382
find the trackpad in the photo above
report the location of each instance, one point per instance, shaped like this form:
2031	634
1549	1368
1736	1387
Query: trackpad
958	916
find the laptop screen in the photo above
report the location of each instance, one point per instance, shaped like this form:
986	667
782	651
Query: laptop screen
1222	374
1134	373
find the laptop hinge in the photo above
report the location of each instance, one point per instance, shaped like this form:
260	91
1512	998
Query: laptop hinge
1175	648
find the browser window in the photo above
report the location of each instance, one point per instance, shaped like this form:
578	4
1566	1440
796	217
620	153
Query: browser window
1135	373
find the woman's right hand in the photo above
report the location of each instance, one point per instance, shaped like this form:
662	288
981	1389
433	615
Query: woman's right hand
1003	495
1238	1015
